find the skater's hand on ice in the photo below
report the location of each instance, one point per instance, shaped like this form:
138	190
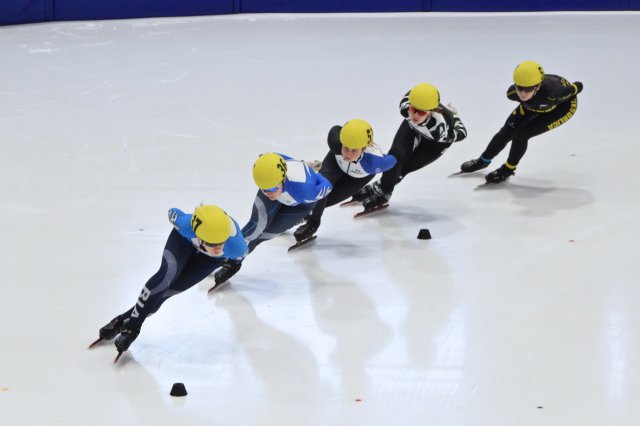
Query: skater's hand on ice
173	217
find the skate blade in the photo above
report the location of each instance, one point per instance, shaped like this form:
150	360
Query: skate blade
371	211
488	185
301	244
218	287
115	361
461	173
95	343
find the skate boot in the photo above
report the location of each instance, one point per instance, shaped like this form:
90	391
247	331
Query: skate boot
378	197
474	165
112	329
306	231
128	334
228	269
501	174
364	193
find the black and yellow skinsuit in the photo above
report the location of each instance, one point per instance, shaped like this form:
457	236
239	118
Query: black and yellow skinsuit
552	105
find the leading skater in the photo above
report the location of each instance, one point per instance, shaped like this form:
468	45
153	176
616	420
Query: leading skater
545	102
198	244
427	131
352	161
288	190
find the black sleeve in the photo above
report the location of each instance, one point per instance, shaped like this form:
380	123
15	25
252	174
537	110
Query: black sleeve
578	85
456	131
404	105
511	93
569	90
333	140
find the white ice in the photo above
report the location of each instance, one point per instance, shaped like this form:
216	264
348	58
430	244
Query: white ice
522	310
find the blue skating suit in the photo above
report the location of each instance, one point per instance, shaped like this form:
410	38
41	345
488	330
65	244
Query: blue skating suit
302	188
234	248
302	185
184	264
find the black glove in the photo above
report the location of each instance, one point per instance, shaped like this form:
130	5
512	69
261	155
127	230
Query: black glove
579	85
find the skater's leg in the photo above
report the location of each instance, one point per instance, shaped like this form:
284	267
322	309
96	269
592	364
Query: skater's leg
176	252
538	125
402	149
499	140
424	154
198	267
287	218
342	189
262	214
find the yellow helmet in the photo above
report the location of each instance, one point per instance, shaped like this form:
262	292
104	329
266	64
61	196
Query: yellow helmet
356	134
269	170
424	97
211	224
528	74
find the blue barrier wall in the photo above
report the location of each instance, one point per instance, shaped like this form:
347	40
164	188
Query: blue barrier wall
27	11
315	6
24	11
526	5
119	9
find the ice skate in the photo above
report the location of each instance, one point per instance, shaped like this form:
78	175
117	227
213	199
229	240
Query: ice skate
109	331
500	174
376	202
128	333
305	234
306	231
377	198
497	176
472	166
364	193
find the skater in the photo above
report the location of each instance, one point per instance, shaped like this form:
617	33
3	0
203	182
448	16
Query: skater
288	190
353	160
546	102
197	245
428	130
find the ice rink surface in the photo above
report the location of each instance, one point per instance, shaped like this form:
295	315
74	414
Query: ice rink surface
521	310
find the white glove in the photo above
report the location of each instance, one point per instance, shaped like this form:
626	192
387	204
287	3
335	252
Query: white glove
315	165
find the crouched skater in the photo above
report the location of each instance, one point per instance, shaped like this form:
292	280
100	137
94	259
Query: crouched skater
198	244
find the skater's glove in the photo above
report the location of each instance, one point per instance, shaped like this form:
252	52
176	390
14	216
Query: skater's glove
315	165
173	217
578	85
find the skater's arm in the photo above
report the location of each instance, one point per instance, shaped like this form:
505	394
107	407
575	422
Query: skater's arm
235	247
404	105
377	163
512	94
456	131
322	187
569	90
333	140
182	222
313	188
